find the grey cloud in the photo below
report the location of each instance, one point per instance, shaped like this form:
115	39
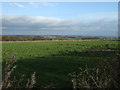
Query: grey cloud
43	25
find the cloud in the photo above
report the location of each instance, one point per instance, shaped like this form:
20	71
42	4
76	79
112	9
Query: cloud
46	4
34	4
18	5
38	25
88	17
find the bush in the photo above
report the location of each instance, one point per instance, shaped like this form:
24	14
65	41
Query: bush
105	75
9	79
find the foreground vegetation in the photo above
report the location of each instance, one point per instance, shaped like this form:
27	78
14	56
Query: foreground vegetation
54	60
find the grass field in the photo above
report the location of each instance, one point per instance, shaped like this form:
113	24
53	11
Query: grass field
54	60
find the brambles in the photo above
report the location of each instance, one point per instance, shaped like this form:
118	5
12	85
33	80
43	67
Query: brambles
31	82
105	75
9	80
8	70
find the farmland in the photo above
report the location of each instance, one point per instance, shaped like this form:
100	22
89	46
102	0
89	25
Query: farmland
54	60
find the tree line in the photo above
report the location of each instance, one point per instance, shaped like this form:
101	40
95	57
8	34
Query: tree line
22	38
29	38
35	38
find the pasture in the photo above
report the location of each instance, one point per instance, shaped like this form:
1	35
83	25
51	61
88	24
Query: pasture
54	60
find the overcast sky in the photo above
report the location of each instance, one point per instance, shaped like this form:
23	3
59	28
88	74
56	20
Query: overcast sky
80	18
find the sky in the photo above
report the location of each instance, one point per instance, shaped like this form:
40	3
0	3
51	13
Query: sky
60	18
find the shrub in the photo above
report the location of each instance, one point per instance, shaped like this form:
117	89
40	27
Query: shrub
10	81
105	75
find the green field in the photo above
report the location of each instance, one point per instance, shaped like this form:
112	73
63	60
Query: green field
54	60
